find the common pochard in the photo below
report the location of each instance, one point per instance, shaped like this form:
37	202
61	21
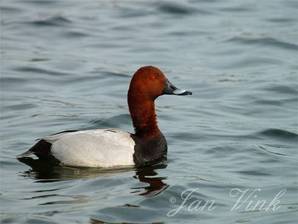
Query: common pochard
113	147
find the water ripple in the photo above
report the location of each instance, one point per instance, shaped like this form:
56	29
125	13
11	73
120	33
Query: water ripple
281	20
12	80
31	69
265	41
57	20
21	106
285	89
254	173
178	9
280	133
115	121
10	9
43	2
76	34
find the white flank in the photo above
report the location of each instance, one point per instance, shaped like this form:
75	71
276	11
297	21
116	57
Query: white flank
93	148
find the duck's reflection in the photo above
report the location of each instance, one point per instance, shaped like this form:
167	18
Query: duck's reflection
45	171
48	172
154	183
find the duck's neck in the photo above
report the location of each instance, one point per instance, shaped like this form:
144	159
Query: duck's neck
143	116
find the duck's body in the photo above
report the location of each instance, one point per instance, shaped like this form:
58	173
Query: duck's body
99	148
89	148
114	147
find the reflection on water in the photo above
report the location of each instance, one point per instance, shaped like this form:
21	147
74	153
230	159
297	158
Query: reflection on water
149	176
45	171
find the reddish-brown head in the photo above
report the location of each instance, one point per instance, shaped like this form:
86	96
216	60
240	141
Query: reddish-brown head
149	82
146	85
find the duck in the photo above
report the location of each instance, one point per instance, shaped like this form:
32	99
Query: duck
111	147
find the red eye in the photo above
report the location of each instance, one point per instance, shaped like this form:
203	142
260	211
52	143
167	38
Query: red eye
153	77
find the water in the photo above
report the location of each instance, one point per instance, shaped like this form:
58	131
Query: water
67	64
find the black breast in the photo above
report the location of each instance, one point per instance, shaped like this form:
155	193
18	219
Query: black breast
149	151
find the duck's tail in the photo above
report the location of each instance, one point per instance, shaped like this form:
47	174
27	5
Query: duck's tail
26	154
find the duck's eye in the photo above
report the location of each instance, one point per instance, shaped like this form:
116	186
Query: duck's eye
153	77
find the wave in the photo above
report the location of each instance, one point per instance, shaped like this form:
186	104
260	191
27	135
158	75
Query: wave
283	89
265	41
280	133
179	9
51	21
114	121
31	69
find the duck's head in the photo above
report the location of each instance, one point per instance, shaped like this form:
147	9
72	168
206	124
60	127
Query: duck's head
149	83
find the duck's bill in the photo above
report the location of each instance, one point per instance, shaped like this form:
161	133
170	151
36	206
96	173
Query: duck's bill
170	89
